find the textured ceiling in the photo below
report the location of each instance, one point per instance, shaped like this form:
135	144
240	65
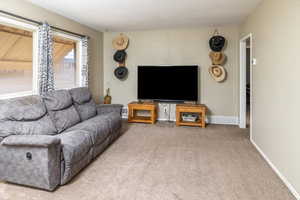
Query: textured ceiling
124	15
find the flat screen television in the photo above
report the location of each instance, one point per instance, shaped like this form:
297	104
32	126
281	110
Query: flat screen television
168	83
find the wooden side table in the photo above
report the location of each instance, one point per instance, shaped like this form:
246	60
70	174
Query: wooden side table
190	108
133	107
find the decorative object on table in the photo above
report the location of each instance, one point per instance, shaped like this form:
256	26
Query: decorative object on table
218	58
107	98
217	72
120	43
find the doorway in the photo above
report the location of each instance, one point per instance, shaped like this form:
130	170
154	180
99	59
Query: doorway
246	62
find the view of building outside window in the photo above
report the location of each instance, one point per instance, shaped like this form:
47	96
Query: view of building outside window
16	52
15	60
64	63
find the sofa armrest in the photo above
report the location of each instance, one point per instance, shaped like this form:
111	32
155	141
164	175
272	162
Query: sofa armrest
30	140
108	108
31	160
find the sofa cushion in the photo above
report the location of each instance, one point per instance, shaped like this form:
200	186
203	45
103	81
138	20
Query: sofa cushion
97	127
61	110
22	108
64	119
43	126
83	103
57	100
25	116
80	95
86	110
76	147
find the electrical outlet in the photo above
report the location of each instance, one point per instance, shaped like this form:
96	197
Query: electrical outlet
124	111
165	109
254	61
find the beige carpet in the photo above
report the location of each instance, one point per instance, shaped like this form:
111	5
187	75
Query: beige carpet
163	162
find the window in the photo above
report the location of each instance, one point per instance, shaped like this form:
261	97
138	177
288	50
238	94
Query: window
17	60
64	62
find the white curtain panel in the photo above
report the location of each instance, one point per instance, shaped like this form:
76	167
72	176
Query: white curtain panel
84	60
45	72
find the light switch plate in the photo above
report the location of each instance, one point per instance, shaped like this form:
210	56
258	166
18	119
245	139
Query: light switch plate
254	61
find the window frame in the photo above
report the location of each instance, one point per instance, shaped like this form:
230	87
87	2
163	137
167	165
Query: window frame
34	29
78	56
35	57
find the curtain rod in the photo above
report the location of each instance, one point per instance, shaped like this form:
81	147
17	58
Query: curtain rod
39	23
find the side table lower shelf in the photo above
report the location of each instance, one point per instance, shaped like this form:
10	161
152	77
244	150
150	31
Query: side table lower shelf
134	107
190	108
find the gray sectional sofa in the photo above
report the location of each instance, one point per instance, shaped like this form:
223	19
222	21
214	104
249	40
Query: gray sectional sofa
45	141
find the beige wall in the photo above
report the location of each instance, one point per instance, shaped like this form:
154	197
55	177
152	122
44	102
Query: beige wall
176	47
275	25
25	9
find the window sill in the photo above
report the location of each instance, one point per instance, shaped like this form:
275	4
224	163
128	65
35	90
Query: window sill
17	94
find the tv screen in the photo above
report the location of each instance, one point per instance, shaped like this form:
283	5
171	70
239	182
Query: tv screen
168	83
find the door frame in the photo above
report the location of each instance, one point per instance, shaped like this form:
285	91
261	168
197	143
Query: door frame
243	80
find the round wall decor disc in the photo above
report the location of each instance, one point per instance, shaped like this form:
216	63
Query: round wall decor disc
120	42
121	72
217	72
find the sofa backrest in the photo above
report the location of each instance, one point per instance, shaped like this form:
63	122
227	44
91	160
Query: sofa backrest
61	110
83	102
25	116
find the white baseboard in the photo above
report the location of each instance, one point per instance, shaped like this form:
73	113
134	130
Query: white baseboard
279	174
227	120
166	120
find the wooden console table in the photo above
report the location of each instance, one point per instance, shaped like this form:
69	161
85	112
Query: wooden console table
133	107
190	108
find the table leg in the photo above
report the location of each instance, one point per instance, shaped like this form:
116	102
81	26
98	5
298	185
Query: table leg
177	118
129	114
152	112
203	119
